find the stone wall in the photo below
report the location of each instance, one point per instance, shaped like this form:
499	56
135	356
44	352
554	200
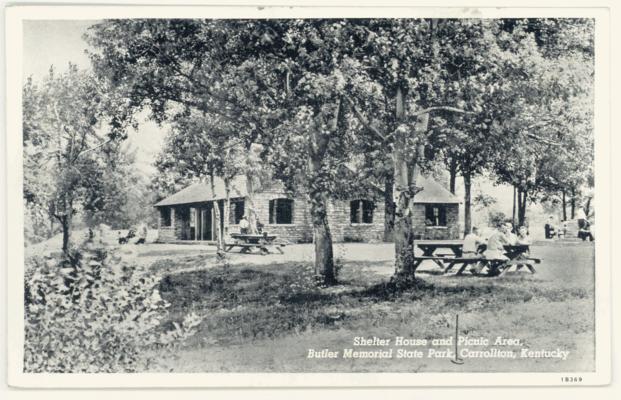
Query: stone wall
299	231
343	230
165	233
179	225
450	231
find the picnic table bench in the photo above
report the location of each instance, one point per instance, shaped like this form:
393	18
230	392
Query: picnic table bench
429	248
246	242
518	255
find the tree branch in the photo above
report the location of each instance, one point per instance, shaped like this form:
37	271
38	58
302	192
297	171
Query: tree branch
542	140
440	108
93	148
363	120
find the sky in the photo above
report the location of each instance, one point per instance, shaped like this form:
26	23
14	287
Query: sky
58	43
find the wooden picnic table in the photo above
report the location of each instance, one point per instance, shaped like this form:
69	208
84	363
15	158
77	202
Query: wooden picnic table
246	242
517	255
430	247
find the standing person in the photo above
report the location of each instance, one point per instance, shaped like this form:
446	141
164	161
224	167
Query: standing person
142	234
244	225
550	228
582	219
585	232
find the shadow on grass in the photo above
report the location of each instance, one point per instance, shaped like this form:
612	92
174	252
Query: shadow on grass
249	302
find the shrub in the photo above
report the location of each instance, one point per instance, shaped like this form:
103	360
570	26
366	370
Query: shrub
353	239
90	311
496	218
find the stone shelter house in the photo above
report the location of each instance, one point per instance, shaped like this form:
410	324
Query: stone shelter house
188	215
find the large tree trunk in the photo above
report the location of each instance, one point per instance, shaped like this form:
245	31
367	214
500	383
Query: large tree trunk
452	174
564	206
513	210
318	195
522	197
467	202
407	169
573	203
66	223
324	257
403	232
389	208
216	209
249	208
227	205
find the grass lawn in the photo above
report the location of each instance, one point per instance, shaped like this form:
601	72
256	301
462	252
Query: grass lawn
265	318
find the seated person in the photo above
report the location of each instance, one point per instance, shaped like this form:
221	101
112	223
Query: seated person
522	236
585	232
470	248
495	244
259	226
512	238
472	241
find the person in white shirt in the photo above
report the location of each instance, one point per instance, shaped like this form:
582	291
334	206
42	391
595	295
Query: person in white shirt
582	219
244	225
512	238
495	244
470	248
472	241
522	237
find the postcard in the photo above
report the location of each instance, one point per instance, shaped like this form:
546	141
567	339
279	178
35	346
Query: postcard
210	196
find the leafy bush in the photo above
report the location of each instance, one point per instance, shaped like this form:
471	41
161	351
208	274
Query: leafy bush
353	239
92	312
496	218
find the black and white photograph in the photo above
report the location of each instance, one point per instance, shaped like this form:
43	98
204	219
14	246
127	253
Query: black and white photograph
305	194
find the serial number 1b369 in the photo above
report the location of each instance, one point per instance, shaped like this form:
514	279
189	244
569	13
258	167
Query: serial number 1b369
571	379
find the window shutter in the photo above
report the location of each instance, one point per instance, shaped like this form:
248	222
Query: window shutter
429	213
232	213
367	211
442	215
353	211
272	206
284	213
